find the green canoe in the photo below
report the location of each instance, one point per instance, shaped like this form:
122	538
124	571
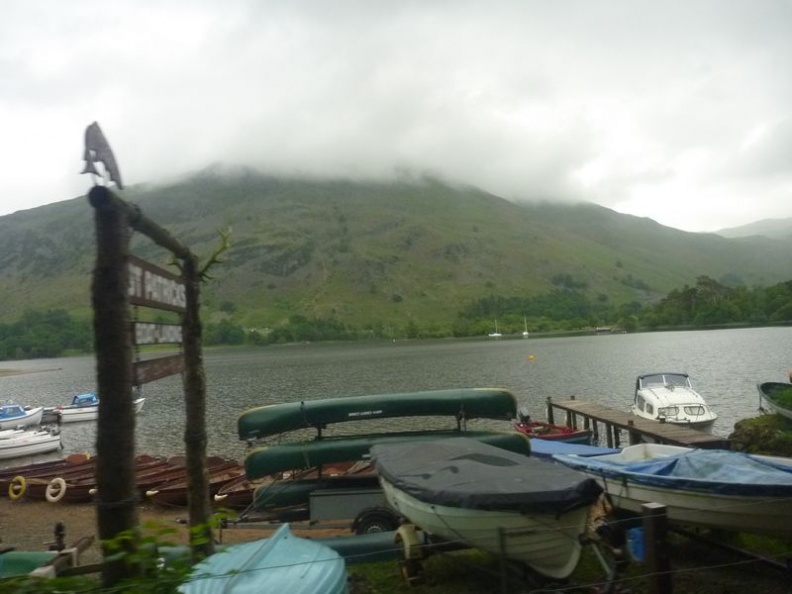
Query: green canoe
291	493
465	403
266	460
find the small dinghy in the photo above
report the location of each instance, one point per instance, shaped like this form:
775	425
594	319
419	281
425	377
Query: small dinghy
280	563
508	504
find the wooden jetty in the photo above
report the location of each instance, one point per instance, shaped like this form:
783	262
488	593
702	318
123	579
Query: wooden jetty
588	415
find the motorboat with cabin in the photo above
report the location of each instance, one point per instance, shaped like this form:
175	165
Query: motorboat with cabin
671	398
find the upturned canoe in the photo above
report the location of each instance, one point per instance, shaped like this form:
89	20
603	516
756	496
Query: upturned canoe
271	459
462	404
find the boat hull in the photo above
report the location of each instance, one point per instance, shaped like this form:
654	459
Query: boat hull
31	417
540	430
549	544
79	414
770	393
176	492
291	493
38	442
471	403
267	460
758	515
726	495
280	563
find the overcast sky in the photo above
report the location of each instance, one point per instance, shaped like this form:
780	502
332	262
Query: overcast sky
680	110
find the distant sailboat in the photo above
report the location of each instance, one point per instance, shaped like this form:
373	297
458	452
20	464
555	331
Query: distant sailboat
525	332
495	334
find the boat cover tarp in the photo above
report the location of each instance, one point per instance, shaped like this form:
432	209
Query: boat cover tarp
280	563
547	448
713	471
465	473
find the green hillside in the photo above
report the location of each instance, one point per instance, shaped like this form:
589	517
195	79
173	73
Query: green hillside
374	253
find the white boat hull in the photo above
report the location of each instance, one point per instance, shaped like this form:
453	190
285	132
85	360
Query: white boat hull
33	417
700	504
760	515
29	444
548	544
76	414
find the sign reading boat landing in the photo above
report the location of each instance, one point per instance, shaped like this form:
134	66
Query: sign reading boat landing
145	333
152	286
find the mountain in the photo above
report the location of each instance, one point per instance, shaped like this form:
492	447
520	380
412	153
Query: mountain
773	228
370	252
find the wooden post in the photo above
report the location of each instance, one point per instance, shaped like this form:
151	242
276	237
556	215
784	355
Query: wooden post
655	525
116	500
549	410
200	508
114	218
634	437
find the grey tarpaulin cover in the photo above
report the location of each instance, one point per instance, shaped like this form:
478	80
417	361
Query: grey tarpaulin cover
461	472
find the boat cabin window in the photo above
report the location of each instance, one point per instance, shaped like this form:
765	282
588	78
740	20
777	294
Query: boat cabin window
668	411
693	411
652	380
674	379
649	408
85	399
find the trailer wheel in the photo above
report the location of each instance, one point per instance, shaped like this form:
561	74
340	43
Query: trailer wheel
375	520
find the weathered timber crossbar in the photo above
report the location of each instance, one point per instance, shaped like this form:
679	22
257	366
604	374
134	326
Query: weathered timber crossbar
592	416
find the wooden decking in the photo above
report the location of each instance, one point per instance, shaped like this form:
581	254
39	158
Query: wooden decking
598	418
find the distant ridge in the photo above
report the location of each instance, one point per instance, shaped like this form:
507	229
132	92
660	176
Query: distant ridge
772	228
374	253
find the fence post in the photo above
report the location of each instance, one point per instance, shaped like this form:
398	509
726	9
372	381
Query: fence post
655	525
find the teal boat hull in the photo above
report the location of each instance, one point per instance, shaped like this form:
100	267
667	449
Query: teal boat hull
281	563
465	403
272	459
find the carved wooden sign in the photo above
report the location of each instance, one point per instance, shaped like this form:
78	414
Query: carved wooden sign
152	286
154	369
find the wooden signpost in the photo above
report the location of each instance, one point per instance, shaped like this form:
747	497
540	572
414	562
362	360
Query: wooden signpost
120	281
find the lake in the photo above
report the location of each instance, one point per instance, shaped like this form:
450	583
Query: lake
725	366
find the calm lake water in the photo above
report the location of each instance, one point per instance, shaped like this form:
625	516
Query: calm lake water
725	366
